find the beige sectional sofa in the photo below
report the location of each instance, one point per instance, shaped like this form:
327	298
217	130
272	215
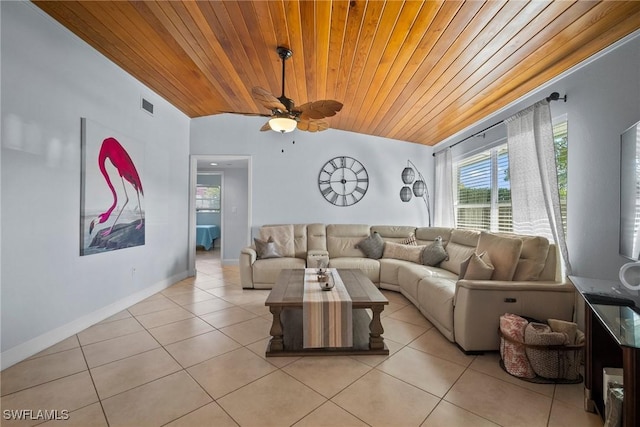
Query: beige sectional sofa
525	281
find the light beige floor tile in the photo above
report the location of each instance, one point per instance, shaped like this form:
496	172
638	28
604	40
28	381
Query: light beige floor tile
208	306
374	360
430	373
249	331
230	371
411	314
91	415
124	314
330	415
180	330
499	401
66	344
433	342
276	400
184	286
118	348
105	331
209	415
258	308
248	297
448	415
125	374
563	415
489	363
228	316
164	317
210	283
156	403
571	394
70	393
191	297
400	331
395	297
391	308
382	400
260	348
32	372
327	375
200	348
158	303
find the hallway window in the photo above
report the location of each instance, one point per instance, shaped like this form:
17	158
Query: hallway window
208	198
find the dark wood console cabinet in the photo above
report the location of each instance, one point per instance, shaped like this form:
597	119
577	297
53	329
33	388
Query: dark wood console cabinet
612	335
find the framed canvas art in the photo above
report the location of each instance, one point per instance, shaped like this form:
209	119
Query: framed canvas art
112	214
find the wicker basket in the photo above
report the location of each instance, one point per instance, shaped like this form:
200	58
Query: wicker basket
562	361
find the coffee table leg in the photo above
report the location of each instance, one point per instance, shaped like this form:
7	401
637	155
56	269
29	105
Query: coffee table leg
376	342
276	343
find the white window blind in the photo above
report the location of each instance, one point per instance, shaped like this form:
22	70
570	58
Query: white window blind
483	196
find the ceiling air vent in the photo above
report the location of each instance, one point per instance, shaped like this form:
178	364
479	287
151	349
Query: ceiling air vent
147	106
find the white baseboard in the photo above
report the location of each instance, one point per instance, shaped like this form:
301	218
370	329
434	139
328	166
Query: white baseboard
35	345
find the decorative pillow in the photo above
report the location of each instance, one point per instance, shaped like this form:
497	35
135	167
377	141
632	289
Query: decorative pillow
512	350
403	252
372	246
411	240
532	258
282	237
476	267
434	253
504	253
266	249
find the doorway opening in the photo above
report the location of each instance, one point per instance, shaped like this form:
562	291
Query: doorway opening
227	208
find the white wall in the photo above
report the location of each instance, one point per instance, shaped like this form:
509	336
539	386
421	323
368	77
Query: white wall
285	184
603	101
50	78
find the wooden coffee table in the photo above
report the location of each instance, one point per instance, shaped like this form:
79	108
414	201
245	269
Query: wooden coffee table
285	304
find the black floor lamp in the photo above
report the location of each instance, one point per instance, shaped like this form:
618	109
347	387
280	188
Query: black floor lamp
418	186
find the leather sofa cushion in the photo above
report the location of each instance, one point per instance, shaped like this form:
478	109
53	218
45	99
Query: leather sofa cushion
316	237
394	233
267	270
426	235
462	244
343	238
370	267
532	258
504	253
283	237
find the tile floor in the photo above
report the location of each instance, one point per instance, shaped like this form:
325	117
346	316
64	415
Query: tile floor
193	355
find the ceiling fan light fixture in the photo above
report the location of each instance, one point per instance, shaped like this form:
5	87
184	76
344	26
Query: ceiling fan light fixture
282	124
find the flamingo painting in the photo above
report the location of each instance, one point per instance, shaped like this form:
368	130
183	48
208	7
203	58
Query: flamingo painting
113	151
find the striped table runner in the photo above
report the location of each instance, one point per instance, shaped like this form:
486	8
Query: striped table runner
327	315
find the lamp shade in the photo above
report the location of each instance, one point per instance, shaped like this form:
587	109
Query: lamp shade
405	193
419	188
408	175
282	124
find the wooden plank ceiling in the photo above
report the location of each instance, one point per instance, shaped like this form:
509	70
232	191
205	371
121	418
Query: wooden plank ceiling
410	70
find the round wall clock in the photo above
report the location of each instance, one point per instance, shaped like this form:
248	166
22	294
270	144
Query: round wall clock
343	181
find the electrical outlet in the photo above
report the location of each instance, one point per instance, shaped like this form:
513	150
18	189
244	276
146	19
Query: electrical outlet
133	271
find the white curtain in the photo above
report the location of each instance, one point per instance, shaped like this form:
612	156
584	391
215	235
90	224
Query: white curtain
532	173
444	216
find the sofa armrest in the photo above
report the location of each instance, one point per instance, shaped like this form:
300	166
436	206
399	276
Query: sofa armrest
497	285
248	256
478	305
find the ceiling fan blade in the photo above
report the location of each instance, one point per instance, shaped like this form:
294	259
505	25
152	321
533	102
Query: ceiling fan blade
312	125
265	127
319	109
265	98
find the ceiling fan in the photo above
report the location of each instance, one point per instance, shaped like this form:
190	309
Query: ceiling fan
285	115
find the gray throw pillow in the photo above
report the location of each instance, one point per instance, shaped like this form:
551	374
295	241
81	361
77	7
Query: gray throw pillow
266	249
372	246
435	253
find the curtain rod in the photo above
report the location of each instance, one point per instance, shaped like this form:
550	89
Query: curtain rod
555	96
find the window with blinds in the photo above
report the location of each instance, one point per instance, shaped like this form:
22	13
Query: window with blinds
483	196
483	199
